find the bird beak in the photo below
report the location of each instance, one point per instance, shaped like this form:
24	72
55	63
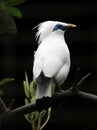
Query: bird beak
71	25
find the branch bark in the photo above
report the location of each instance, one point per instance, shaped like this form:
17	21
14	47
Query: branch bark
72	97
69	96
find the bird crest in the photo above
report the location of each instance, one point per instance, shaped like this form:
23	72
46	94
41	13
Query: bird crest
44	29
47	27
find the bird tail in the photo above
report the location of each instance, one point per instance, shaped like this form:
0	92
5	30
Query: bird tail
44	85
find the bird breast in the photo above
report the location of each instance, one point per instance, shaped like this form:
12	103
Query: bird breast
52	46
51	56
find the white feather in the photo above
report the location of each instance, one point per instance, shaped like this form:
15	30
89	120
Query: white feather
44	89
52	57
45	28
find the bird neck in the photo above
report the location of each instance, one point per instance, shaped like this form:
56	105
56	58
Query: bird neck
58	34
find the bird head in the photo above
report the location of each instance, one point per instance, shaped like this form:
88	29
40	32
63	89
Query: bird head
48	27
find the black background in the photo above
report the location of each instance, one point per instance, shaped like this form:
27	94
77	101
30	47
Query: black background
16	51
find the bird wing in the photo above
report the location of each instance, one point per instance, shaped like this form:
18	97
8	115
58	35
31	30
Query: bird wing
50	57
52	66
37	68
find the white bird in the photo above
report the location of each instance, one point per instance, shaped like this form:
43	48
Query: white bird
52	57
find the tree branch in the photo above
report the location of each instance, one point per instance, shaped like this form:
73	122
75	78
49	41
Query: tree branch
3	107
76	98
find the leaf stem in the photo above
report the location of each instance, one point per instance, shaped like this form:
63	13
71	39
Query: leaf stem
48	117
39	122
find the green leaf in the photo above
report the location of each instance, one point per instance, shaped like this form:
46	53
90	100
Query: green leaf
42	113
26	101
33	100
26	89
14	2
14	12
53	89
26	86
6	80
34	115
2	6
7	23
32	89
27	117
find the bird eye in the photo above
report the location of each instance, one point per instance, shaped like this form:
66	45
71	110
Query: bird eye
58	26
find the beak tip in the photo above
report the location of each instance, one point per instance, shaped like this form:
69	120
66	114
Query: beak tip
72	25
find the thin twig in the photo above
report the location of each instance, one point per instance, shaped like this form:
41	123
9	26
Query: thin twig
82	80
11	104
48	117
3	107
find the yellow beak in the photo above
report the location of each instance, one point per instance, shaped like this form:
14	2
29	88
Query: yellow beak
71	25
